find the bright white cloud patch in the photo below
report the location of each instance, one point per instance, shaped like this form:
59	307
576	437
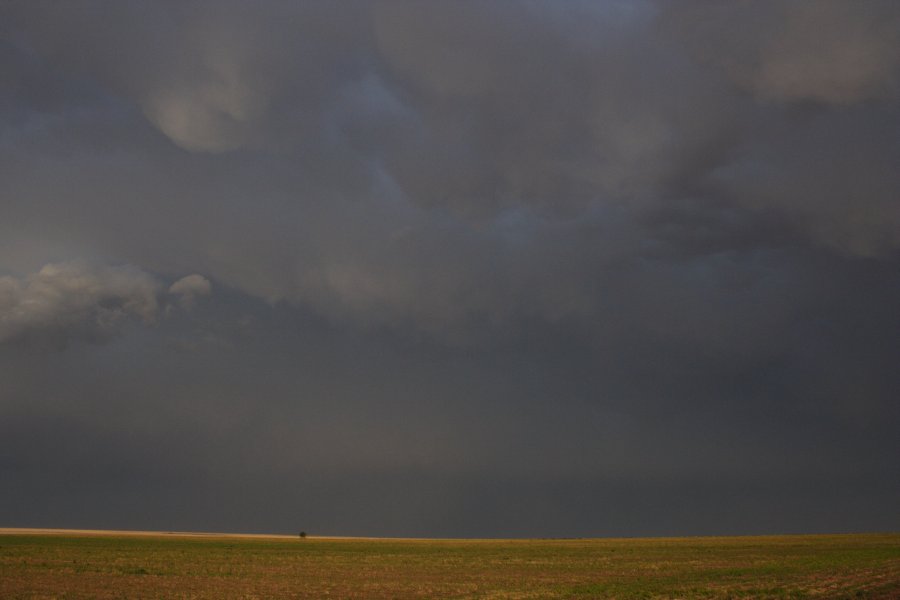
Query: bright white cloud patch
188	288
77	300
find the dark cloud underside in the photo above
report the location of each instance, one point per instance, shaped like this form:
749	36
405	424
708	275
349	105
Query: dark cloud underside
446	268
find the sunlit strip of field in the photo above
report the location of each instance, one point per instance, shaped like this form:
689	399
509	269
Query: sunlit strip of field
100	564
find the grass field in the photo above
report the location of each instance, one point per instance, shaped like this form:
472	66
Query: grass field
123	565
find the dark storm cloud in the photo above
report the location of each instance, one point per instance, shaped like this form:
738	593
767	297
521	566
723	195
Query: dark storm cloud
490	255
830	52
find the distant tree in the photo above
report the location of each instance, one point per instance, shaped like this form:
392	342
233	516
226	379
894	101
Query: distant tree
303	534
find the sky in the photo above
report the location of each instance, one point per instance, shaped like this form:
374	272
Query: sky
457	269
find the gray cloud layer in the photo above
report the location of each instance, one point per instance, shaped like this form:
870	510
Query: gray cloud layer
627	248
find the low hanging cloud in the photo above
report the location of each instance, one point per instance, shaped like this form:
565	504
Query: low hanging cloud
76	300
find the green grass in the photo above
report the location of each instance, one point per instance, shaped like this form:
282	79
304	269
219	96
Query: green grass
122	566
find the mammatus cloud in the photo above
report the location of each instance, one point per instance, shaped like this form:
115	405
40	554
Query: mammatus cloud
77	300
506	241
371	174
832	52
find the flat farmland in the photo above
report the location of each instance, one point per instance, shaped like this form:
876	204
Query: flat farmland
68	564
